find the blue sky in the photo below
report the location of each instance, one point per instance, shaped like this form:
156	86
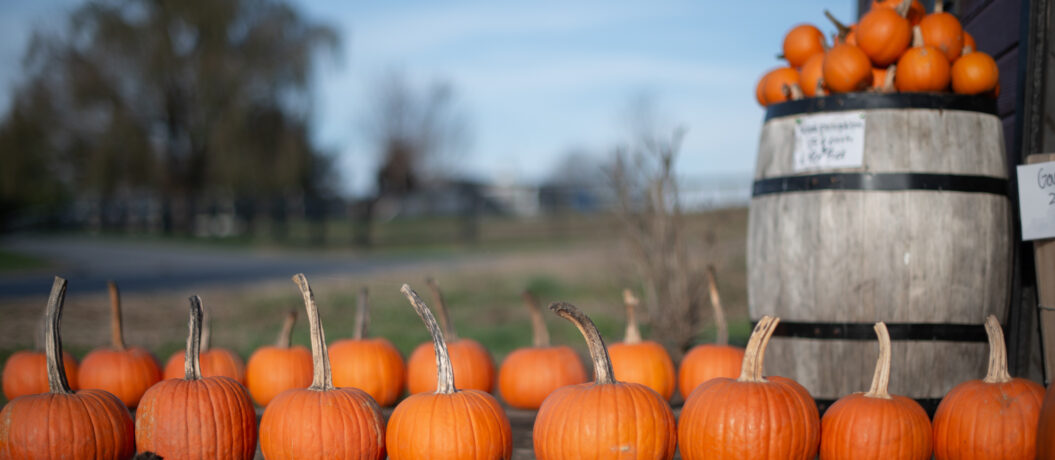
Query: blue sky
534	79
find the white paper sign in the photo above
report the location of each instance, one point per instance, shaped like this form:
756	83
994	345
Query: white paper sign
829	141
1036	198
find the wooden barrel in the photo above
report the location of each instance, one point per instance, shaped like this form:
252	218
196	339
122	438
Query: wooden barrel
915	233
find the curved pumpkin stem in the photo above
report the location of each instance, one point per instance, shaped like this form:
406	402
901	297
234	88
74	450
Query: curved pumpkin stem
839	25
722	337
441	309
633	332
881	379
285	336
323	377
362	315
57	382
444	370
602	363
754	353
888	79
117	335
904	7
192	360
997	352
539	333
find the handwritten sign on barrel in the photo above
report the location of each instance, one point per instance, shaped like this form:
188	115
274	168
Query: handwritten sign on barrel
829	141
1036	197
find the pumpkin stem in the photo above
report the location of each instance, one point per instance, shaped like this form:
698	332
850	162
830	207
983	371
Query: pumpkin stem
888	79
362	315
441	308
633	332
444	370
967	49
793	91
997	352
117	335
881	379
722	337
754	353
192	360
820	91
939	6
602	364
539	333
839	25
57	382
904	7
917	37
323	378
285	336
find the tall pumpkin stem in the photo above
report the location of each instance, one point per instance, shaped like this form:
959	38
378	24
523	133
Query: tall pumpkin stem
881	379
323	378
842	28
997	352
633	332
939	6
917	37
602	363
444	370
539	333
441	309
362	315
904	7
117	334
285	336
722	337
57	382
192	360
754	353
888	79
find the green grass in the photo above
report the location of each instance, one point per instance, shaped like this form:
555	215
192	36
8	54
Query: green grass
13	261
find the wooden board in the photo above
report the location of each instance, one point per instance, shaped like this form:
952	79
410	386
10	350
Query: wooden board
1044	258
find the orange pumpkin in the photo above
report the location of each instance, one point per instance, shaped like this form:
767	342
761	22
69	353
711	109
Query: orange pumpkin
758	90
846	69
876	424
777	85
642	361
196	417
1046	426
448	423
801	43
373	365
709	361
883	35
473	365
529	375
214	361
944	32
968	43
913	11
321	421
599	419
811	78
922	69
727	418
975	73
26	372
127	372
993	418
274	369
883	79
88	424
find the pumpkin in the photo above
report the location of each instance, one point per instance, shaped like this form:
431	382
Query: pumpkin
876	424
758	90
88	424
735	418
921	69
606	418
844	33
968	43
811	77
125	371
846	69
801	43
777	84
883	35
321	421
913	11
993	418
883	79
373	365
214	361
528	375
1046	426
280	367
448	423
473	365
196	417
642	361
705	362
26	372
944	32
975	73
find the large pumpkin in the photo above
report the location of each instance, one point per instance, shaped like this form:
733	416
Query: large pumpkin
26	372
642	361
528	375
88	424
606	418
883	35
709	361
214	361
448	423
373	365
801	43
125	371
750	417
196	417
280	367
322	421
876	424
994	418
846	69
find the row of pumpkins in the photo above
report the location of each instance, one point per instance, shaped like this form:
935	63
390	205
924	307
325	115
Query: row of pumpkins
749	416
896	46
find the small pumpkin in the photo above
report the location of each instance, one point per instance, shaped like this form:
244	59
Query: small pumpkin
26	371
1046	426
642	361
846	69
473	365
777	83
876	424
528	375
606	418
214	361
811	78
448	423
373	365
883	35
125	371
968	43
922	69
322	421
913	11
975	73
758	90
993	418
801	43
944	32
196	417
280	367
732	418
88	424
708	361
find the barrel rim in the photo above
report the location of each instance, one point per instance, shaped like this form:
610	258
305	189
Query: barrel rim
868	101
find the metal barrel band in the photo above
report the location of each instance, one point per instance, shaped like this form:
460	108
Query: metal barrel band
898	331
881	182
873	101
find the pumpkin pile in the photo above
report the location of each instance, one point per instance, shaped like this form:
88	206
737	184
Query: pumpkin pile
895	47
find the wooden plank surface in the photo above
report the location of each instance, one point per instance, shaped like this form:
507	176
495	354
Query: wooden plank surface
1044	259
